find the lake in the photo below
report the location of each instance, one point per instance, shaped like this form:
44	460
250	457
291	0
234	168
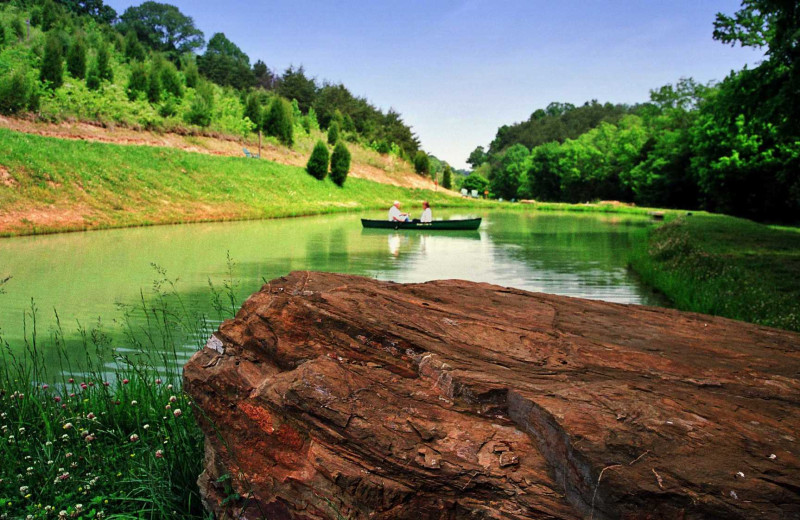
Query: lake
90	278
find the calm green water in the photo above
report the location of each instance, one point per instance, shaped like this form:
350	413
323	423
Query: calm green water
85	277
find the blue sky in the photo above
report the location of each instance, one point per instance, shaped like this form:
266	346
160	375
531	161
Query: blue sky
458	69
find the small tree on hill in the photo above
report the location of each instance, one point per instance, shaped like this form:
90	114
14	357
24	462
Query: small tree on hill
422	164
333	133
93	78
340	164
137	82
447	178
190	71
318	162
76	58
170	79
103	66
203	105
134	50
278	121
52	71
254	112
154	82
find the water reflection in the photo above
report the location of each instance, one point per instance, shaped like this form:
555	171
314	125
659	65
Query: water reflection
83	275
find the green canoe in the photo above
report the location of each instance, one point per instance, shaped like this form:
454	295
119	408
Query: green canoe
465	224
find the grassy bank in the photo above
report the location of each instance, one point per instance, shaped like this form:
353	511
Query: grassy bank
114	439
49	185
725	266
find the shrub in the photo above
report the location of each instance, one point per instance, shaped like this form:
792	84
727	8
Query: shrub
253	111
311	117
190	72
103	67
134	50
340	164
16	93
333	133
318	162
278	121
137	82
171	80
203	105
93	78
383	147
76	58
422	164
2	34
154	82
447	178
52	71
18	26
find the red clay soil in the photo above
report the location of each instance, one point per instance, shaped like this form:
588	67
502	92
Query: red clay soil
333	396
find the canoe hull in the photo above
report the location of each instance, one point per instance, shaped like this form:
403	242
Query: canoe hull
465	224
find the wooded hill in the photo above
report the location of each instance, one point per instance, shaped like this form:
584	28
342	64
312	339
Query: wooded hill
731	147
151	68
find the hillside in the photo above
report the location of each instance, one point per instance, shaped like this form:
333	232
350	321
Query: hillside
50	185
367	164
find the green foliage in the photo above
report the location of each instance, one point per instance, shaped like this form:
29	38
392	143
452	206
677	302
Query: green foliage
477	157
295	84
18	27
162	27
278	121
154	82
190	72
421	163
340	164
17	92
253	111
138	81
262	76
333	133
2	35
52	71
170	79
93	78
475	181
318	162
506	179
103	64
447	178
134	50
76	58
202	106
225	64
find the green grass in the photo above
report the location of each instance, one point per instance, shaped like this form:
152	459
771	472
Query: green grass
105	185
108	433
725	266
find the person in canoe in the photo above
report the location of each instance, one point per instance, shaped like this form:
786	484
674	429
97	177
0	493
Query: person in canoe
427	215
395	215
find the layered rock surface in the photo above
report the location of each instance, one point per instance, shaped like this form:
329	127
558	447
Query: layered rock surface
332	396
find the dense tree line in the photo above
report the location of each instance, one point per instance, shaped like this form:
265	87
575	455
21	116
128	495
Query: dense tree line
732	147
163	53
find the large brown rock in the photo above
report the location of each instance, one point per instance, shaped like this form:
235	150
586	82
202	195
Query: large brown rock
333	396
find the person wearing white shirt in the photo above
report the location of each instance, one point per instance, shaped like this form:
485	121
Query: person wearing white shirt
427	215
395	215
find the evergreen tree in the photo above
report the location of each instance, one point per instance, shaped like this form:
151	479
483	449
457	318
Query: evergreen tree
17	92
2	35
154	82
422	164
253	111
447	178
18	26
137	82
190	72
318	162
76	58
134	50
103	66
93	78
333	133
170	79
340	164
278	121
52	71
202	106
